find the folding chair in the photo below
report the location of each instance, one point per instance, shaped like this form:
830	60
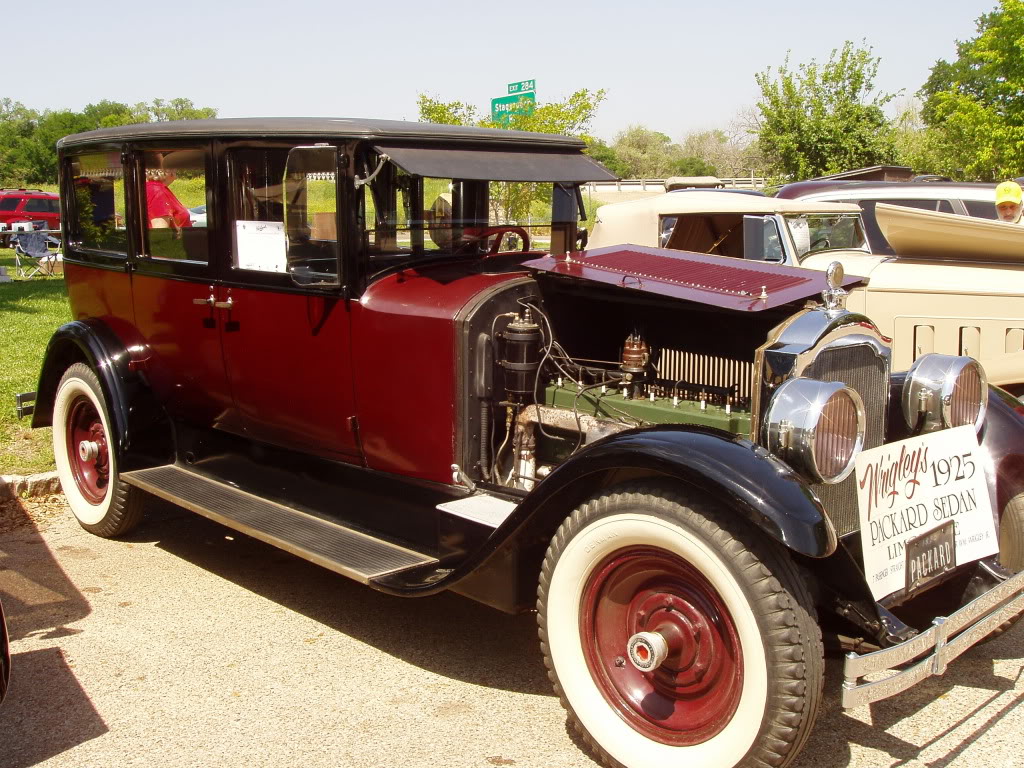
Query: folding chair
32	255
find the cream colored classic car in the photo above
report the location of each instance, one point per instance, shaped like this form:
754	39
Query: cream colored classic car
955	286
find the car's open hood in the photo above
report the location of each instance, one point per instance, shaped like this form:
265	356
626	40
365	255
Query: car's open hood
746	286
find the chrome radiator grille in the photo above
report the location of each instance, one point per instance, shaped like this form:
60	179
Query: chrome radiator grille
860	368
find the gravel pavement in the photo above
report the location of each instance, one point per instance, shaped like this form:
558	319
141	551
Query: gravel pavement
187	644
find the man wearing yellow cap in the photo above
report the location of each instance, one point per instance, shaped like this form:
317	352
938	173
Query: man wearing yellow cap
1008	202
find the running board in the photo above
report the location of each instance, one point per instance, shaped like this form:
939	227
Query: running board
343	550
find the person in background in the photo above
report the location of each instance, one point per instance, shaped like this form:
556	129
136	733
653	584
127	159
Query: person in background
163	209
1009	202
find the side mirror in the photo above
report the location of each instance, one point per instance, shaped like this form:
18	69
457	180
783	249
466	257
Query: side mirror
761	239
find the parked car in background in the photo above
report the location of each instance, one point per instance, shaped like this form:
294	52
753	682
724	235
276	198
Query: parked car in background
961	306
29	205
197	215
34	207
657	451
964	199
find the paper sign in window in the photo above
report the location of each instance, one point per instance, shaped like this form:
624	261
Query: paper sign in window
261	245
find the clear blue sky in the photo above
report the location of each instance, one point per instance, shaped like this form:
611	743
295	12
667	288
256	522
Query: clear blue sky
675	67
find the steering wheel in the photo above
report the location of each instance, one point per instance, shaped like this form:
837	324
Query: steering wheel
823	241
500	231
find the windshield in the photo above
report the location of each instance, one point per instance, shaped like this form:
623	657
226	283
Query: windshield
816	232
406	218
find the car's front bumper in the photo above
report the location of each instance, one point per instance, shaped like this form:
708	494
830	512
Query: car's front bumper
947	638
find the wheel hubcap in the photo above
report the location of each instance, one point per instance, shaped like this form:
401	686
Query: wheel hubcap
87	450
685	676
647	650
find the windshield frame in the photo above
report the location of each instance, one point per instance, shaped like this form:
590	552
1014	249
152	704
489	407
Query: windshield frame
796	238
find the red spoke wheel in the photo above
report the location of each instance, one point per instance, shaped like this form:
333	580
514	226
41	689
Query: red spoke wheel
676	634
86	456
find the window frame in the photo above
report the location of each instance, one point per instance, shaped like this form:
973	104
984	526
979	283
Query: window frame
229	211
74	249
145	264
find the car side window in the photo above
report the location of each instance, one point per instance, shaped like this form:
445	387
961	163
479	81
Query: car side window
285	212
175	182
98	202
9	203
942	206
981	209
37	205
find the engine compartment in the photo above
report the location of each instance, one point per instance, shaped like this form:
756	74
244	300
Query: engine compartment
559	365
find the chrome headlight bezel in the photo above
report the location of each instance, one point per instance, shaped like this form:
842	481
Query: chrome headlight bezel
791	426
928	397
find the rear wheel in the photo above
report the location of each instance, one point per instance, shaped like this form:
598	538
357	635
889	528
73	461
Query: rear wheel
86	457
676	635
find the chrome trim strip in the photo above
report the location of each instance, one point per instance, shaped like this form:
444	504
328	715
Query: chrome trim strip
973	622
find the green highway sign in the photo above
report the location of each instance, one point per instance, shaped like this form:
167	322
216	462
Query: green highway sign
517	104
522	86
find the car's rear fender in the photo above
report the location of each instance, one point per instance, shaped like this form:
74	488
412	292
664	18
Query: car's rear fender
140	425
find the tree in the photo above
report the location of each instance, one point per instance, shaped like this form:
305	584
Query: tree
607	156
28	138
824	119
570	117
974	106
646	154
17	123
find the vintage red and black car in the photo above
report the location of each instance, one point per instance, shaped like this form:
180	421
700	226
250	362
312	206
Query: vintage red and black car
388	352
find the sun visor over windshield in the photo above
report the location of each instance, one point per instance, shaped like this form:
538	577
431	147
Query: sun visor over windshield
527	165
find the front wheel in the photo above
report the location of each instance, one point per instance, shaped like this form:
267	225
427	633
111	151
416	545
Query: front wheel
86	457
676	635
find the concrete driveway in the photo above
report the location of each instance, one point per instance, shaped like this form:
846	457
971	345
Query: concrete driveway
187	644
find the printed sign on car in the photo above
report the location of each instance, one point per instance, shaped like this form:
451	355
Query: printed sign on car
908	490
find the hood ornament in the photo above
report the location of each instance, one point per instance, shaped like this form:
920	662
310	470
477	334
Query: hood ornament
834	296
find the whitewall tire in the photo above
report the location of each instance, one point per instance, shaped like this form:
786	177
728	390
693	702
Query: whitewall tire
736	643
86	456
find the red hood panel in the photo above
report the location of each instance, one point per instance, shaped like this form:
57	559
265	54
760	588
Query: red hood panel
747	286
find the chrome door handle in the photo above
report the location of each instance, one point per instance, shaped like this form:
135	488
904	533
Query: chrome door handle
208	301
224	304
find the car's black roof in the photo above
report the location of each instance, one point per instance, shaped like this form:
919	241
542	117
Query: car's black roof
340	127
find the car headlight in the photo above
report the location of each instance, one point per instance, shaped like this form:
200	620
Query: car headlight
943	391
817	427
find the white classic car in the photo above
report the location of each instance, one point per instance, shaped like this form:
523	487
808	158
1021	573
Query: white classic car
954	286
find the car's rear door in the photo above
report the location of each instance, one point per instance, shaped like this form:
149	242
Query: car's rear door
175	285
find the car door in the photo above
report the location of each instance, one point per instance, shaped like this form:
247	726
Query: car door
175	285
43	209
286	335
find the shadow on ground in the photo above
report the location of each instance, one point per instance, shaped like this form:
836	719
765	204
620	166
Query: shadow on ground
46	712
446	634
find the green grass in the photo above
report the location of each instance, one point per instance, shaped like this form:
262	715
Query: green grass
30	311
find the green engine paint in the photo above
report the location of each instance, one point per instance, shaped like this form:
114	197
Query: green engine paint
614	405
